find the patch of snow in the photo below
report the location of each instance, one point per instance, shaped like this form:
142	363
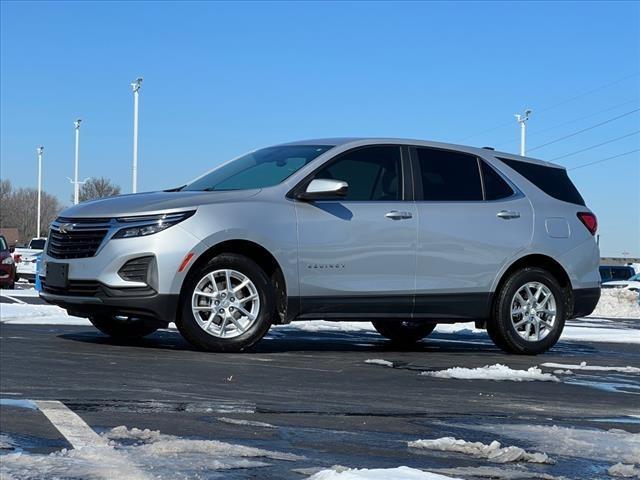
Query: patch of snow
624	470
25	292
494	372
6	442
562	372
379	361
399	473
497	473
595	368
613	445
37	315
249	423
163	456
617	303
494	452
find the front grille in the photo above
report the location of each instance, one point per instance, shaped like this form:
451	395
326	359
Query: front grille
136	270
75	288
76	238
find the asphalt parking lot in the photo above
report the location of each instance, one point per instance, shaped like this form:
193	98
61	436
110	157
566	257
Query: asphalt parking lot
311	397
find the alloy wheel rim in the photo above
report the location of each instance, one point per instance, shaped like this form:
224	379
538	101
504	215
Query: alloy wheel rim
225	303
533	311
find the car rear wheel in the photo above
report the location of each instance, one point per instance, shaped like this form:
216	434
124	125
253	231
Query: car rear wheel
122	327
529	313
403	332
227	305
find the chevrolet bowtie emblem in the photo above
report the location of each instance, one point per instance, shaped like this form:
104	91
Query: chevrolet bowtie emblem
65	227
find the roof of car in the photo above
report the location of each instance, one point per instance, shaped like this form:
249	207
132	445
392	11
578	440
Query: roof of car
357	141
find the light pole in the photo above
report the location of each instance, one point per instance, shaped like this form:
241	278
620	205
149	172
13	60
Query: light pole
40	151
76	184
522	120
134	172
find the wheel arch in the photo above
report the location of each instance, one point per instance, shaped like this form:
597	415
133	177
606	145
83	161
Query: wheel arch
541	261
254	251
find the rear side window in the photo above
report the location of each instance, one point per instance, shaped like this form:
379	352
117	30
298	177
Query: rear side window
449	176
553	181
3	244
372	173
495	187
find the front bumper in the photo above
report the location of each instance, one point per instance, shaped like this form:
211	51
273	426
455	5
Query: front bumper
100	299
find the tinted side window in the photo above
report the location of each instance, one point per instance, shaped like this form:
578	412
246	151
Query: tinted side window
449	176
373	173
553	181
495	187
3	244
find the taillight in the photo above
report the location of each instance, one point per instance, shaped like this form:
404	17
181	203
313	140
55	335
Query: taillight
589	220
17	258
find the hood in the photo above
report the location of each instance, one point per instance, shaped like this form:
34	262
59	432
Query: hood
151	203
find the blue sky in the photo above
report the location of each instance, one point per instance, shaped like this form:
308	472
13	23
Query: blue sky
223	78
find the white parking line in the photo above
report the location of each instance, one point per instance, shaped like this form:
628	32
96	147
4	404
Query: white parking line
14	299
74	429
80	435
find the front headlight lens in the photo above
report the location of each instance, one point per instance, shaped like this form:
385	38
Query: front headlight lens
150	224
8	260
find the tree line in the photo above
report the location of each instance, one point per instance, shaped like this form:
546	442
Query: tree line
19	206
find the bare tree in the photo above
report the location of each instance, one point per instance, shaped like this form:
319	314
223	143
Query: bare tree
18	208
95	188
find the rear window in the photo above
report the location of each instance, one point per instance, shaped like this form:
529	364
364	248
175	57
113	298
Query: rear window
37	244
553	181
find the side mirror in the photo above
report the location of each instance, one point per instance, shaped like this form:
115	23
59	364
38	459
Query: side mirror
321	189
12	249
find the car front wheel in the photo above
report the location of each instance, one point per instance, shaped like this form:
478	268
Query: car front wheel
228	304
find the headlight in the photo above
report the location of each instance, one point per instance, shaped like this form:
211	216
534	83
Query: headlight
150	224
8	261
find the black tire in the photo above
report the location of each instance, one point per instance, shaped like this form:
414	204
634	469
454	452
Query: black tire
403	332
122	328
500	326
196	335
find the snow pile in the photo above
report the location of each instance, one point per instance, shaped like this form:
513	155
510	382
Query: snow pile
379	361
617	303
494	372
624	470
37	314
494	452
249	423
613	445
131	452
399	473
593	368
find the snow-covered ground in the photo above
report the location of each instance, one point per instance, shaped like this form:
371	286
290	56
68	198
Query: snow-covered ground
400	473
613	304
129	453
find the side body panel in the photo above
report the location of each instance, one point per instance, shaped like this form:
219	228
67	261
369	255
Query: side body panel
354	260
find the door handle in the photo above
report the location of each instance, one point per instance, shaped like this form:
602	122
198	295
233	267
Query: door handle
508	214
396	215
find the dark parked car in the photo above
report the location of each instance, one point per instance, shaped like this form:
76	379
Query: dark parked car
610	273
7	265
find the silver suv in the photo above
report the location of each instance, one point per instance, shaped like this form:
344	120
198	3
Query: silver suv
404	233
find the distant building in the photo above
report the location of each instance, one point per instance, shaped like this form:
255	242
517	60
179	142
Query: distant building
11	234
619	260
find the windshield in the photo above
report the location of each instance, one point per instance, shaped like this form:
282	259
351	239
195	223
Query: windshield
263	168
